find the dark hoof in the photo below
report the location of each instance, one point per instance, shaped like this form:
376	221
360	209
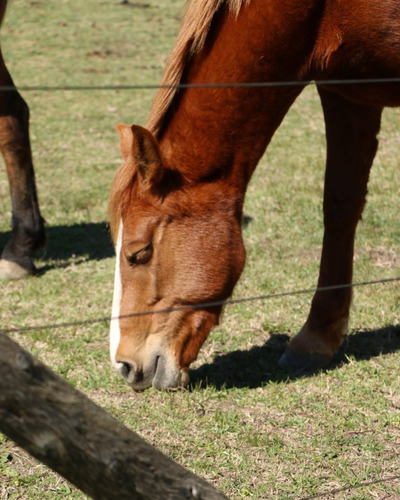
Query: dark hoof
298	362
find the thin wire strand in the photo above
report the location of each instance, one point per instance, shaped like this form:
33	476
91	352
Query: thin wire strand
203	305
150	86
347	488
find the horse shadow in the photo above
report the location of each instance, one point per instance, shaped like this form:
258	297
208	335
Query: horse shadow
81	242
259	365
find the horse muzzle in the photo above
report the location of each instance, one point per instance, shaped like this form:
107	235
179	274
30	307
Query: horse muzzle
161	373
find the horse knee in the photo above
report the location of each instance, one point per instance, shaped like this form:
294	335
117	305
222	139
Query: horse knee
342	214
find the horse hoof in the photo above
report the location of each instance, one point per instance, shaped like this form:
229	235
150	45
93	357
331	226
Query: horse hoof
299	362
10	270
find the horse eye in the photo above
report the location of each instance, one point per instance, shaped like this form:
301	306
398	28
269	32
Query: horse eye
142	256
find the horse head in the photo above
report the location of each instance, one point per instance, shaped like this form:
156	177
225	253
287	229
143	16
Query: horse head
179	249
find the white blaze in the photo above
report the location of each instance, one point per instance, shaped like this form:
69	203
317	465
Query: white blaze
114	328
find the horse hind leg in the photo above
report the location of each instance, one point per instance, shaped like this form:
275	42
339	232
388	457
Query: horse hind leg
28	232
351	132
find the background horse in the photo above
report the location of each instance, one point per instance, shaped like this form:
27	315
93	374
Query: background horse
28	232
176	202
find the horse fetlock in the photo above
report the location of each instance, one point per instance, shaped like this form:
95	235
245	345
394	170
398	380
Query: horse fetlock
314	348
39	237
299	362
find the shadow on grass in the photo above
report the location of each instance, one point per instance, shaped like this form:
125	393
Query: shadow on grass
88	241
259	365
81	242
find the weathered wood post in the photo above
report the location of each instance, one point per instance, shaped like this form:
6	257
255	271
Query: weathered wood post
69	433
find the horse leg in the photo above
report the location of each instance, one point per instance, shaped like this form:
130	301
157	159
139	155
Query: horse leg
351	132
28	232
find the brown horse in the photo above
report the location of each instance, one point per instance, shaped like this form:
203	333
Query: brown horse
176	202
28	232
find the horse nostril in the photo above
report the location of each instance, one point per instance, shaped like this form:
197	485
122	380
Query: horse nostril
124	369
129	372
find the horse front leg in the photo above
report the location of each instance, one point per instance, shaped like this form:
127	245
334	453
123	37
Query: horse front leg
28	232
351	133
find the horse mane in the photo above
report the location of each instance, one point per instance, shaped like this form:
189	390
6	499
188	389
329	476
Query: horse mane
191	39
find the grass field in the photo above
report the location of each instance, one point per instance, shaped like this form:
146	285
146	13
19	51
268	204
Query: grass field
244	425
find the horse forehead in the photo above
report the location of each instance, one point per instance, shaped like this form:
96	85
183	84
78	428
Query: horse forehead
140	219
195	216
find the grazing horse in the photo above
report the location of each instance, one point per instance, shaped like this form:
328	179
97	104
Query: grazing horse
28	232
176	202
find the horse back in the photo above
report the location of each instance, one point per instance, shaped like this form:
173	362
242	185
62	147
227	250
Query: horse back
355	36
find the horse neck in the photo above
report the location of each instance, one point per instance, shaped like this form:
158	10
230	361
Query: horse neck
222	132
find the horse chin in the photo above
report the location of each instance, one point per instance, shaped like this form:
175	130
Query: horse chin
168	376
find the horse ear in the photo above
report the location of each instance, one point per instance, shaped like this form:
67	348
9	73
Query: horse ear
140	146
125	140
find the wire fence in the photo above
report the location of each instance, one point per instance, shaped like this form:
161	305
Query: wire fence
205	85
327	494
203	305
151	86
336	491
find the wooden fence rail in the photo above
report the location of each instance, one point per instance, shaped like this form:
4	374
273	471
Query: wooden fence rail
65	430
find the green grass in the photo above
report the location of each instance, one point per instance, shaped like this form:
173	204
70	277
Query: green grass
244	425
